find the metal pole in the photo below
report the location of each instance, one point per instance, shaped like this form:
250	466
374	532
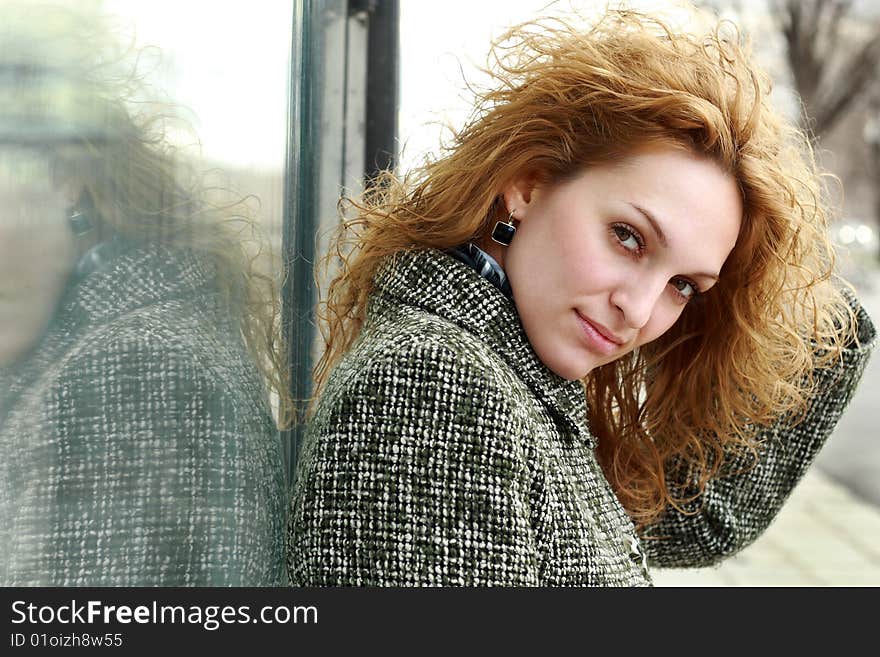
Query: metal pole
300	192
382	86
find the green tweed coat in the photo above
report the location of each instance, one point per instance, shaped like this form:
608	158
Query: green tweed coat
138	444
443	452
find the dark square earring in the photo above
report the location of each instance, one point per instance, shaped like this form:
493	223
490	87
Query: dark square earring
79	221
504	231
81	216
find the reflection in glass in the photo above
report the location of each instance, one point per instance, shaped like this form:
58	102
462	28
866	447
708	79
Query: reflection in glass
138	339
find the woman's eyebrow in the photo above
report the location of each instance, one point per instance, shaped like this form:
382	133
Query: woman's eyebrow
655	225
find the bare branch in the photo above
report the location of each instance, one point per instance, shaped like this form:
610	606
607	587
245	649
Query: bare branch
829	74
838	10
855	81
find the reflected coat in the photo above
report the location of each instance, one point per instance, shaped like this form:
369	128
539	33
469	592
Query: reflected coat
138	446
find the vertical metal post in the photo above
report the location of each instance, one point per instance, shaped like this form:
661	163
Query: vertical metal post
382	86
330	88
300	191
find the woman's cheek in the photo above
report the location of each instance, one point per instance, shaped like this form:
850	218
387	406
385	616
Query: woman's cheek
597	267
664	318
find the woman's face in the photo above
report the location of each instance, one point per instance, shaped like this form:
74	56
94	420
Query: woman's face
606	261
37	249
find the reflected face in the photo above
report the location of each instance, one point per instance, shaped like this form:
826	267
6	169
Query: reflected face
37	249
606	261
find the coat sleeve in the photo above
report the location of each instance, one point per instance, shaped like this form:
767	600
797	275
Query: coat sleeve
411	475
735	509
164	473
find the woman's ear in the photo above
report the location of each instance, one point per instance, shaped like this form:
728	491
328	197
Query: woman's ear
518	195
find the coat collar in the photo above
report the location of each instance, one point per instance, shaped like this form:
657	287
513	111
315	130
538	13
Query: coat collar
438	283
140	276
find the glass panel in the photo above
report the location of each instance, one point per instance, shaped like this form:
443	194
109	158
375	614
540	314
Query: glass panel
142	163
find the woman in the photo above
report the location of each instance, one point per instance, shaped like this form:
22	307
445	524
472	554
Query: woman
138	343
602	330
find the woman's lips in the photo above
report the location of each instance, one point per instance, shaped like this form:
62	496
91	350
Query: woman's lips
595	338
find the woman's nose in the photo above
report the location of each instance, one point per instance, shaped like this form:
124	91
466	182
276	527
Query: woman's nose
637	299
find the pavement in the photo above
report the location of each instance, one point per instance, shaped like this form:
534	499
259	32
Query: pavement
824	536
828	533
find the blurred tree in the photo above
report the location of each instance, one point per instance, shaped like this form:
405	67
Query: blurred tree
833	52
833	56
872	139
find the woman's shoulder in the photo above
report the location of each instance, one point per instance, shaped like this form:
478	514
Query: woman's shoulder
420	382
158	352
154	346
414	354
413	335
151	300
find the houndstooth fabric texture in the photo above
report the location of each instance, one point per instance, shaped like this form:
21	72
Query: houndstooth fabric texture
138	444
443	452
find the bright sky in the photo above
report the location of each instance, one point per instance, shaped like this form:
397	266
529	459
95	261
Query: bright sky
440	44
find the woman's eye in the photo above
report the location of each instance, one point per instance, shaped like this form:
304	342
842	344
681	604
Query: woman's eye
627	238
685	288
